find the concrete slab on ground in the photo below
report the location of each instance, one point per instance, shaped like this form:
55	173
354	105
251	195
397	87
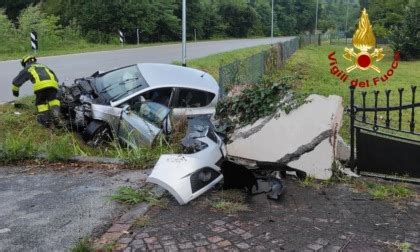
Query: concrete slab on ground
270	140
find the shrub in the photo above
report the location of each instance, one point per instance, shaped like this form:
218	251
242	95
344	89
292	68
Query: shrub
259	101
406	38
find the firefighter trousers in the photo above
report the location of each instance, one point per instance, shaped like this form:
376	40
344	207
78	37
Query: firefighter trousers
48	107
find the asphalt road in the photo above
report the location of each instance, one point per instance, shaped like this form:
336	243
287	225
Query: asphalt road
69	67
49	210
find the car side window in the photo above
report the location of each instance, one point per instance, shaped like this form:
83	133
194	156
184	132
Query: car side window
192	98
159	95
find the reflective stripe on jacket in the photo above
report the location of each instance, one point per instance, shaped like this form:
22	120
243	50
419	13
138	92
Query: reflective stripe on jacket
40	75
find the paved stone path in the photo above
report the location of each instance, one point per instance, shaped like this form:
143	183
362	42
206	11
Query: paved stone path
332	218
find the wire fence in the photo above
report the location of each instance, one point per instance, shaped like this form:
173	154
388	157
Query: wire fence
251	70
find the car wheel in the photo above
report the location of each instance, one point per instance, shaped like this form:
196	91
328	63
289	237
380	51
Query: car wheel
97	133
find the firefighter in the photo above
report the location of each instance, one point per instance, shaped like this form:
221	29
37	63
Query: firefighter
45	85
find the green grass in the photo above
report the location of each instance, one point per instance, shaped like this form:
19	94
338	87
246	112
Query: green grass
229	207
131	196
16	147
388	191
310	181
310	66
82	245
22	137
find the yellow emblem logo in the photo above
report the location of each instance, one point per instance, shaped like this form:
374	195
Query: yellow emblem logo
364	40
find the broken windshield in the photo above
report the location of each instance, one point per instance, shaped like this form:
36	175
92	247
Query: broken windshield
121	82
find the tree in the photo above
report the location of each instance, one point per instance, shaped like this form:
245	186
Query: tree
8	40
406	37
14	7
239	19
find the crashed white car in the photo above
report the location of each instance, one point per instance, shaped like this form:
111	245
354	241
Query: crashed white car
133	102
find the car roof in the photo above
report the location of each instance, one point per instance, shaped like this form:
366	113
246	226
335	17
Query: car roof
166	75
157	75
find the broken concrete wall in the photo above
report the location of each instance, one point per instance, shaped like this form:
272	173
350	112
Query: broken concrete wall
302	139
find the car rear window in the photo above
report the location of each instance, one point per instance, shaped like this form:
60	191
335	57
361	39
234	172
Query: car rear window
191	98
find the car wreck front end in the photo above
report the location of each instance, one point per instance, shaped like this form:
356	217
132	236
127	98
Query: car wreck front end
190	174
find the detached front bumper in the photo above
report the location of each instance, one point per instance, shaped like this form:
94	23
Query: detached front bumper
185	177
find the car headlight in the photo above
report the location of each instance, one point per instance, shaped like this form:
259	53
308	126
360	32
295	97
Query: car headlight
202	178
191	146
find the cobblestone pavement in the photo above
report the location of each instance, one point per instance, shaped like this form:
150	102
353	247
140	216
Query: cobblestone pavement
332	218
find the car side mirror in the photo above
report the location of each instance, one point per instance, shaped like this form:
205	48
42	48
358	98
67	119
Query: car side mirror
127	109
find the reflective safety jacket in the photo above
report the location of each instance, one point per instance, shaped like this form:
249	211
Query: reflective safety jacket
40	75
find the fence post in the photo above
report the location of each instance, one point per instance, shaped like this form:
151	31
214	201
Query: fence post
352	119
121	36
319	39
34	41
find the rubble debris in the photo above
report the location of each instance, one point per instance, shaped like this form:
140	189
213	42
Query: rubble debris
343	150
301	139
237	176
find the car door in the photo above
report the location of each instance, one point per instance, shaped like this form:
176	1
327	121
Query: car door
141	124
188	102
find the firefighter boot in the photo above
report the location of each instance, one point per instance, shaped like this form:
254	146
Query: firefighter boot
44	119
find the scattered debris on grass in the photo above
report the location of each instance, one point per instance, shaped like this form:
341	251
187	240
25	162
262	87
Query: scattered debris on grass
131	196
83	245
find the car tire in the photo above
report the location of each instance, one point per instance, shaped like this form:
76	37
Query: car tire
97	133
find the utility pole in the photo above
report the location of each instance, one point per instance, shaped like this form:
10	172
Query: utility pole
347	18
272	21
184	33
138	36
316	18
